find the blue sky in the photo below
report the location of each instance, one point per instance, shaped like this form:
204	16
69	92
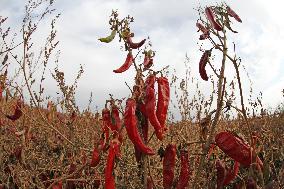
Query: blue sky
171	28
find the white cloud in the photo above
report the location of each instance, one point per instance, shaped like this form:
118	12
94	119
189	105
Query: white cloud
171	27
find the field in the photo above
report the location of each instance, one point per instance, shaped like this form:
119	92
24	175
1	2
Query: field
223	140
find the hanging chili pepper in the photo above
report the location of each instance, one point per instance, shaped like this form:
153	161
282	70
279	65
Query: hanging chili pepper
128	62
150	103
205	31
221	173
116	123
17	112
113	152
211	17
145	128
231	174
96	157
150	81
163	100
138	154
130	122
184	171
202	63
236	148
108	38
133	45
233	14
169	166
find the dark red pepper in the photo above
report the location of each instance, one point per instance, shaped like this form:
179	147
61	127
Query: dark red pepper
95	157
236	148
232	174
150	81
150	184
233	14
133	45
17	112
205	31
128	62
221	173
169	166
163	100
202	63
211	17
184	171
150	103
130	122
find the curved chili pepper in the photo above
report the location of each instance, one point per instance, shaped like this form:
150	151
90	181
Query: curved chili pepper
233	14
163	100
236	148
150	103
134	45
17	112
130	122
148	61
96	157
221	173
205	31
202	63
211	17
128	62
231	174
108	38
169	166
113	152
184	171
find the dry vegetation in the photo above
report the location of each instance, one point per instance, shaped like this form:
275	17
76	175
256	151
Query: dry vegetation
46	146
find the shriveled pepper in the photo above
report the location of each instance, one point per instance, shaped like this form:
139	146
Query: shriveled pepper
17	112
148	61
133	45
114	151
130	122
108	38
169	166
184	171
116	122
235	148
221	173
211	17
202	63
163	100
233	14
150	103
205	32
128	62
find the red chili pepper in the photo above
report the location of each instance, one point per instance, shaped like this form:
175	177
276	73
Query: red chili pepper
96	157
163	100
116	124
57	185
150	103
150	81
251	183
18	111
150	184
107	120
148	61
134	45
211	17
169	166
231	174
205	32
233	14
145	128
184	171
113	152
236	148
128	62
202	63
130	122
138	154
221	173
